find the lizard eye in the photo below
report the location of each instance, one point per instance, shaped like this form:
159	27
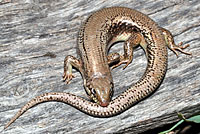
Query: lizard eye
93	91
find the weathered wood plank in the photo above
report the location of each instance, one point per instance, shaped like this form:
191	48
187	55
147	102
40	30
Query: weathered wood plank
31	29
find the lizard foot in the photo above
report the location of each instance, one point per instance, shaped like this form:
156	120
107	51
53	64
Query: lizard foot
68	77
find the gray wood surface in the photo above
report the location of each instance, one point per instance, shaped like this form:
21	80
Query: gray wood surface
35	37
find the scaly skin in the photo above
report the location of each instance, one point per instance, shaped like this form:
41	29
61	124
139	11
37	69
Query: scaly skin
100	31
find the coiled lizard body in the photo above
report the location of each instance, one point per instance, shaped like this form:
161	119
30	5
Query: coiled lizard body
98	33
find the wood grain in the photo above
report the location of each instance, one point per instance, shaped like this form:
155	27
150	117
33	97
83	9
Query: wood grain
36	36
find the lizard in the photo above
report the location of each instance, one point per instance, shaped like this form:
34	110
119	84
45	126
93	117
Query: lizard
100	31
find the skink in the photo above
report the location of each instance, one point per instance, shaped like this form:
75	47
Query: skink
98	33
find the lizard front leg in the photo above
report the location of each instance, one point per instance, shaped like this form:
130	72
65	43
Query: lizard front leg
113	58
70	62
135	39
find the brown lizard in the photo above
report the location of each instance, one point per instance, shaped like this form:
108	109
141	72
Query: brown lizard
98	33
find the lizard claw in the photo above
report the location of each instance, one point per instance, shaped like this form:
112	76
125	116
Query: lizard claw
68	77
180	48
127	63
114	66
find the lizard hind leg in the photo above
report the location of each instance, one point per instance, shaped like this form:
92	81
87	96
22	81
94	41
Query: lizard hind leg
171	45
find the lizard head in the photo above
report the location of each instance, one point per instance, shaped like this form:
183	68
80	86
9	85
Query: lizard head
100	90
